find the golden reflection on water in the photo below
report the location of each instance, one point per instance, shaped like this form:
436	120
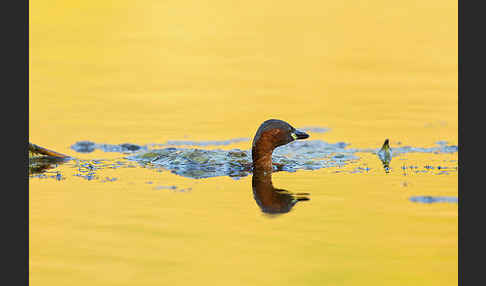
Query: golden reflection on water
150	71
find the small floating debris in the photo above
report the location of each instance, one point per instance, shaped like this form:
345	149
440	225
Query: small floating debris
385	155
430	199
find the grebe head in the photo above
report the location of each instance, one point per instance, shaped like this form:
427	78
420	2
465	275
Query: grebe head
270	135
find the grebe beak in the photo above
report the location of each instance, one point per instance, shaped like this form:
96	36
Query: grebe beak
296	134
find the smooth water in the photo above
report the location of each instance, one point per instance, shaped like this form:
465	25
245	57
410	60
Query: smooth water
157	103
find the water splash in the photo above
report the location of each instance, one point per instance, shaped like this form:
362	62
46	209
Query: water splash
200	163
236	163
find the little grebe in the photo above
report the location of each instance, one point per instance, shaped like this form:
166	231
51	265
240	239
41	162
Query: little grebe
270	135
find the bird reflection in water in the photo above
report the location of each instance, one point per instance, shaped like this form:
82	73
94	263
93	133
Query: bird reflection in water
271	200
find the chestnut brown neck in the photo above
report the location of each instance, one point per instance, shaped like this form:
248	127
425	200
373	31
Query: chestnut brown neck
262	152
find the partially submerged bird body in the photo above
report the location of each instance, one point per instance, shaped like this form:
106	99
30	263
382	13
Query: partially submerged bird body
41	159
35	151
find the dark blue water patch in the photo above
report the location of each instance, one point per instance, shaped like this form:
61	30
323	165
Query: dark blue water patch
84	146
88	147
430	199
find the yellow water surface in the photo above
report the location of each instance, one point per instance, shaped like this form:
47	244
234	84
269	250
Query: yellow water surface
150	71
